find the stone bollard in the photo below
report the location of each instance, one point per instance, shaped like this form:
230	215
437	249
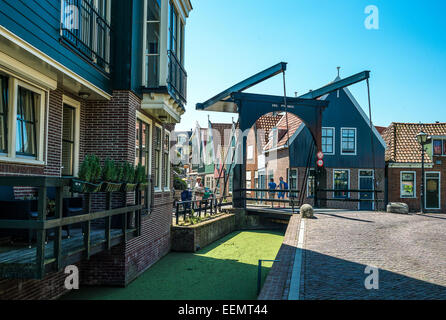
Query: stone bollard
398	207
306	211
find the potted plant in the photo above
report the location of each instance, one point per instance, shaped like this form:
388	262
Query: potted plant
109	176
89	176
128	179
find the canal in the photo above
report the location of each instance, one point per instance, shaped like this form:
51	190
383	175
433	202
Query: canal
226	269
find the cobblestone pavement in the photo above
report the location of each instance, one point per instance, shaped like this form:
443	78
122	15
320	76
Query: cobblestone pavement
409	250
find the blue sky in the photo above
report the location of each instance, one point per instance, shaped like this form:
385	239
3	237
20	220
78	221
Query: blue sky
227	41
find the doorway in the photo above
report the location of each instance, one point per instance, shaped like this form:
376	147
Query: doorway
432	182
366	183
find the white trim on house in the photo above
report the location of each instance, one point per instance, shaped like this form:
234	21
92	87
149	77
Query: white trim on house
414	185
366	118
50	61
160	169
23	72
409	165
439	190
334	141
356	141
77	115
41	123
164	153
333	182
146	119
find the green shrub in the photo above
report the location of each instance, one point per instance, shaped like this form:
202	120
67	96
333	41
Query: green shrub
140	174
128	173
119	173
85	169
179	184
109	171
95	168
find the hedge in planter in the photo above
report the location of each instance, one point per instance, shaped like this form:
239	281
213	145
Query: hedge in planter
89	176
111	175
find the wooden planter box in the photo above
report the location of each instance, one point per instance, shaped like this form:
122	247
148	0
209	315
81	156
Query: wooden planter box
128	187
111	187
79	186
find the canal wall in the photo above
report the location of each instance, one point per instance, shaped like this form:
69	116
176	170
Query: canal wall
195	237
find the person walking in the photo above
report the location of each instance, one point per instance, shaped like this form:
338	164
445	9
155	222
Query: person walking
282	186
272	194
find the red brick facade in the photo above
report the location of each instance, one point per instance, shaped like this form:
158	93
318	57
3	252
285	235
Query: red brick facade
107	129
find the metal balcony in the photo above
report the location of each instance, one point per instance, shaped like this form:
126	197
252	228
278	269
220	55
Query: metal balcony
177	78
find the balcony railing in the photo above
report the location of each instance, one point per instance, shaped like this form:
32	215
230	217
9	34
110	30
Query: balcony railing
177	77
87	31
91	232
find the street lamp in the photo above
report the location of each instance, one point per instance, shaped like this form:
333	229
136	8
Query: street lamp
422	139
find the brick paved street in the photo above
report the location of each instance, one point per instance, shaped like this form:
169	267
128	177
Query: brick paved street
409	250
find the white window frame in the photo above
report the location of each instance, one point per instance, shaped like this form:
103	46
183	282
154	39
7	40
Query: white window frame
414	185
356	142
41	123
308	184
144	118
250	152
164	153
333	182
160	169
334	141
439	189
76	105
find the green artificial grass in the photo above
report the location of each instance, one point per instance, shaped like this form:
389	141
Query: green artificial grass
226	269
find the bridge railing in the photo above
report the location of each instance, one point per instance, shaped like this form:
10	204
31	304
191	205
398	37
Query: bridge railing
190	208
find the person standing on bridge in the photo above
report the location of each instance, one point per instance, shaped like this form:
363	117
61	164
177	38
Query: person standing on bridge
282	186
272	193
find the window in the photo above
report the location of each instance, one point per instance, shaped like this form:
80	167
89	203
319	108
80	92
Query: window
68	140
166	161
311	183
157	177
341	182
22	121
250	153
26	143
152	43
348	141
3	114
142	144
173	30
407	184
292	179
438	147
328	140
248	181
85	26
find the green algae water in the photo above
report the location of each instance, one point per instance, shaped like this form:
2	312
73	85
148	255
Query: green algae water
226	269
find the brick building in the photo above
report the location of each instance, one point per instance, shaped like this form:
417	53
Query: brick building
403	165
111	84
353	155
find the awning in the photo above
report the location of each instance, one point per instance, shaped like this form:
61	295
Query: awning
223	102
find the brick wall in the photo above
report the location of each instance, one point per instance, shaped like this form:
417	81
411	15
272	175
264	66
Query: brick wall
107	129
394	186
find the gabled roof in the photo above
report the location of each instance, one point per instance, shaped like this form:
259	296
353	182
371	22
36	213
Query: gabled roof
361	112
294	123
402	144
